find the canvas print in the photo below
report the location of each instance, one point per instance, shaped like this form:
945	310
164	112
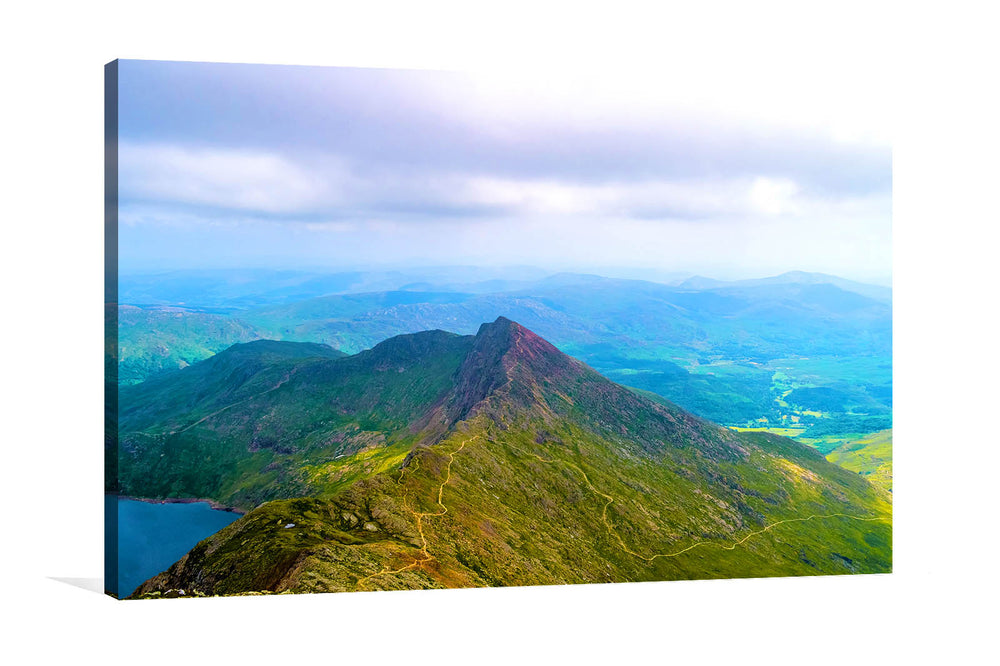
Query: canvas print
373	329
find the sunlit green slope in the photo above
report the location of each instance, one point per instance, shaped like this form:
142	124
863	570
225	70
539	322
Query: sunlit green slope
870	456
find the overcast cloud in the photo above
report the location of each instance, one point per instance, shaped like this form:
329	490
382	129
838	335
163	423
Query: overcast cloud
229	165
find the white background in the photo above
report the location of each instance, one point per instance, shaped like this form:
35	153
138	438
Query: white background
931	80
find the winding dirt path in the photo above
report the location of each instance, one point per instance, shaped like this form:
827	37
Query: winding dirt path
624	547
427	557
420	515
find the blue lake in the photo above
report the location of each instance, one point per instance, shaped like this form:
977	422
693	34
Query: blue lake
151	537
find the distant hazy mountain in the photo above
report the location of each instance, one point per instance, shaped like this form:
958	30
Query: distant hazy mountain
438	460
758	322
151	341
227	290
235	289
794	278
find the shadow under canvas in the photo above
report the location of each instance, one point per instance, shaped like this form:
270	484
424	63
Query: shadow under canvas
89	584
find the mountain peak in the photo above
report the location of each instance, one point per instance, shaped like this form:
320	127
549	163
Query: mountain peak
282	349
500	323
505	337
411	345
501	326
507	357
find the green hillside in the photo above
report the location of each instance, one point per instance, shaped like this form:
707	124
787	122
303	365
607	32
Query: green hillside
153	341
276	419
437	460
870	456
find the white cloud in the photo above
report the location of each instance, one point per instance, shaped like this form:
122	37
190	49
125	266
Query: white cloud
331	227
248	180
181	186
773	196
680	199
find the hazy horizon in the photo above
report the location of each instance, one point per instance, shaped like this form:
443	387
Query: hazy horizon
504	272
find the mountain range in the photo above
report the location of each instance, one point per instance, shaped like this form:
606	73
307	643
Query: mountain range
442	460
876	292
726	351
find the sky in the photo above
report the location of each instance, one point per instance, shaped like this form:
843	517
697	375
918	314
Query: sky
226	165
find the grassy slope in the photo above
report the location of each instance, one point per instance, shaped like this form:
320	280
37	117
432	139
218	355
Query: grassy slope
556	476
271	419
517	512
870	457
